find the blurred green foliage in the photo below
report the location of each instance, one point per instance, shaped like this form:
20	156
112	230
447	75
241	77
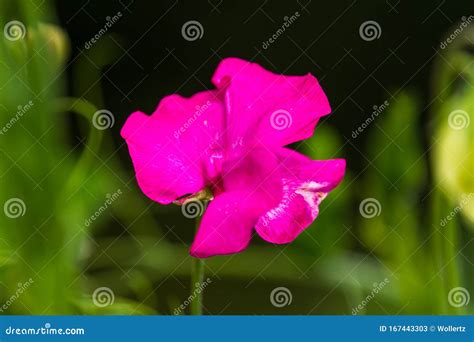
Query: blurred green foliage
331	268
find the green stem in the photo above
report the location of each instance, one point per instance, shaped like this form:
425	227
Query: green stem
438	252
453	278
197	278
87	158
446	246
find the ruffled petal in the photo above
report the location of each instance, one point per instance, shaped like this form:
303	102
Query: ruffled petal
179	148
260	105
251	185
306	183
227	225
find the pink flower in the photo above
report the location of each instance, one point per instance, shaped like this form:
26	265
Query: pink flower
231	141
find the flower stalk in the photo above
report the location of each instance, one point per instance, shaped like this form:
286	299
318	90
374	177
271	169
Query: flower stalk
197	277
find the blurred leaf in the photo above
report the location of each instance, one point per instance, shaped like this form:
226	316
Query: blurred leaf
120	306
453	139
395	178
395	147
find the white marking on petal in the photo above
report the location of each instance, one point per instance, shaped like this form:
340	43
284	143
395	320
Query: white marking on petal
308	191
311	196
312	186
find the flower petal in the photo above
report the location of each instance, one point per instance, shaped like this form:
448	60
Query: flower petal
257	172
305	184
227	225
177	149
251	185
275	109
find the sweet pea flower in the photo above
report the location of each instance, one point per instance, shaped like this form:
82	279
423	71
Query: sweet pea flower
230	142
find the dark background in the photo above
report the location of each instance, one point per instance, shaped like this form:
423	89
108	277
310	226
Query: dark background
155	60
